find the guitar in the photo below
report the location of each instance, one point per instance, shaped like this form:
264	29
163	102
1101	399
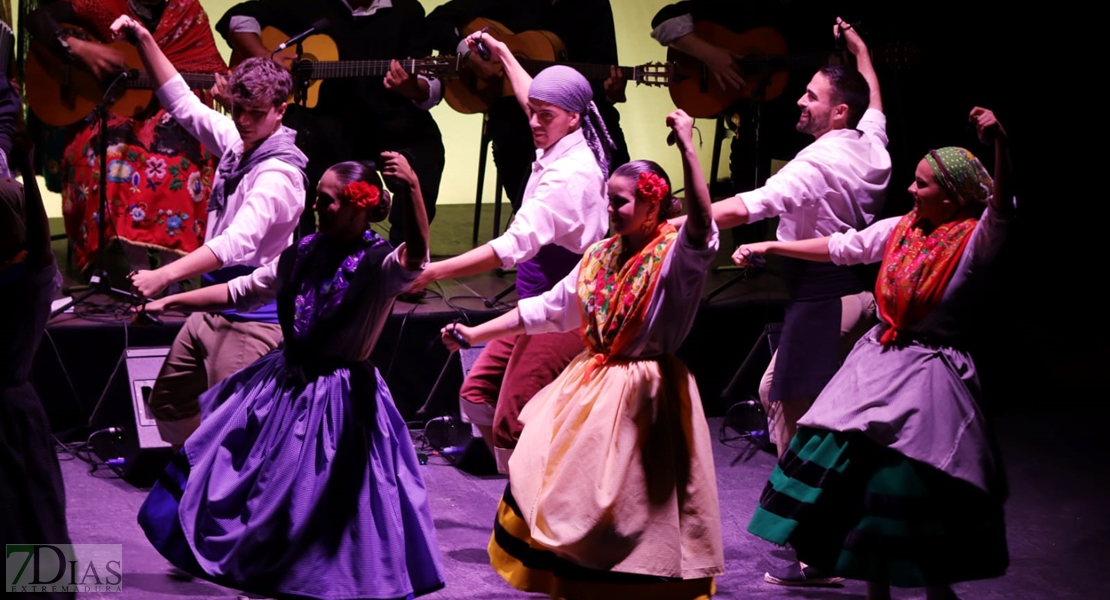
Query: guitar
61	92
319	60
535	50
765	63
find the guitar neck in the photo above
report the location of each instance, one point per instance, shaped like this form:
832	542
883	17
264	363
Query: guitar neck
143	80
588	70
337	69
342	69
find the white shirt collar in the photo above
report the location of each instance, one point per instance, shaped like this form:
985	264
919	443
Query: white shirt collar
561	147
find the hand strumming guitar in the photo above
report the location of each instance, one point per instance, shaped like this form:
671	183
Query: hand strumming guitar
102	60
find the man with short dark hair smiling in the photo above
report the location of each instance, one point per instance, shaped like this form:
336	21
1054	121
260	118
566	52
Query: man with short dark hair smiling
835	184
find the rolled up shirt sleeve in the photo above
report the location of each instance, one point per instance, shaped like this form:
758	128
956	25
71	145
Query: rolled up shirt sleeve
797	184
244	24
248	292
861	247
555	309
670	30
274	200
873	123
435	93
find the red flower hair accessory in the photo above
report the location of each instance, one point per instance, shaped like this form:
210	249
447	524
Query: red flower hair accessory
651	187
362	194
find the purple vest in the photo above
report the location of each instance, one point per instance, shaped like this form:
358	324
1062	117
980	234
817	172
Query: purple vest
540	273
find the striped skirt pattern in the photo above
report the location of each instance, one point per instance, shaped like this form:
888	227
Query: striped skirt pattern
858	510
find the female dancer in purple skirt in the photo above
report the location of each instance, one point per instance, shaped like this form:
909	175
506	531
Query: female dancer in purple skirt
301	481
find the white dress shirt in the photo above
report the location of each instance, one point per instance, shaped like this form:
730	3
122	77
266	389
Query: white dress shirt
565	203
835	184
260	216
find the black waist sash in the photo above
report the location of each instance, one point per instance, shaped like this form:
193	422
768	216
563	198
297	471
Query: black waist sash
809	348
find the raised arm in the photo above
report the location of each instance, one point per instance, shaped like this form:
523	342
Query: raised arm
518	77
863	60
159	67
699	205
991	132
396	167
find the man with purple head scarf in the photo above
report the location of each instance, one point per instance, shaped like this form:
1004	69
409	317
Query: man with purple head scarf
564	210
567	89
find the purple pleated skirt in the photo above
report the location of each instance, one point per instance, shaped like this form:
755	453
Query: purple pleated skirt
299	485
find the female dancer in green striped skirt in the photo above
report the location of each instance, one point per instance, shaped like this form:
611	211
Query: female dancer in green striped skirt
893	478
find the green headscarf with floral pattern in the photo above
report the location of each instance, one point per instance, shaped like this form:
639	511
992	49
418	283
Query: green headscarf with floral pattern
961	175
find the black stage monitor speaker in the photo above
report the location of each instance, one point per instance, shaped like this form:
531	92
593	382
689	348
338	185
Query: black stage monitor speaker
135	449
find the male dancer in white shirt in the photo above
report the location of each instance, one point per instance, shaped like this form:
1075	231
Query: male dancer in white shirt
258	195
564	210
835	184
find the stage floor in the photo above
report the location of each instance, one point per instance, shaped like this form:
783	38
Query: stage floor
1056	522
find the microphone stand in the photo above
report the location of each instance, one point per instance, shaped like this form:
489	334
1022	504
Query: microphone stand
98	282
758	98
301	69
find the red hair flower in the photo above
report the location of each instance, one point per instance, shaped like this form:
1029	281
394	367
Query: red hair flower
362	194
651	187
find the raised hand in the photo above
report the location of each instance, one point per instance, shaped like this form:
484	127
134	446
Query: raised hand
220	93
986	124
852	40
396	166
485	69
683	126
128	29
496	48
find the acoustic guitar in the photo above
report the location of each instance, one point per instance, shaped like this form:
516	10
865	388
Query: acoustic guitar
319	60
535	50
61	92
765	64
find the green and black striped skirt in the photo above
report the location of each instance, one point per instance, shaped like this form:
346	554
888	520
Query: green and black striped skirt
855	509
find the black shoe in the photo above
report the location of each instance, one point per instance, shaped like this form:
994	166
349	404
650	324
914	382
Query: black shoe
794	575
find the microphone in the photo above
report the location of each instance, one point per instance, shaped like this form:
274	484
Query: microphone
316	27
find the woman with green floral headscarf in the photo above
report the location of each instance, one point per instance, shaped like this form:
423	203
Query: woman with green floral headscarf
892	477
